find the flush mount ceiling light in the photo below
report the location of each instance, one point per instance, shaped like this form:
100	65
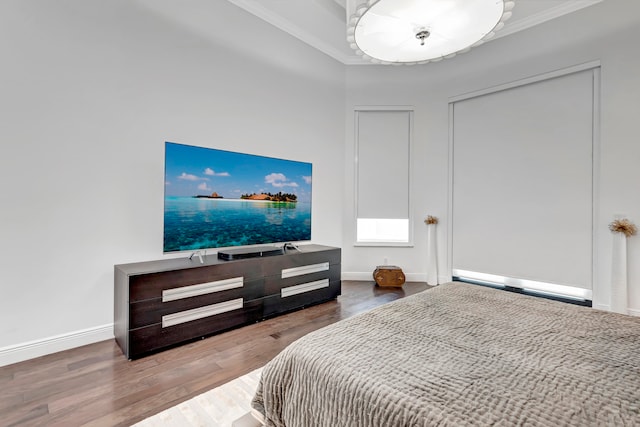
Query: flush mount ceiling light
420	31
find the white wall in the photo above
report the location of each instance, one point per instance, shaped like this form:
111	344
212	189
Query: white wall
90	91
607	32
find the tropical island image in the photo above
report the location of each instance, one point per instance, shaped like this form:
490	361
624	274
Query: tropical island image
269	197
279	197
216	198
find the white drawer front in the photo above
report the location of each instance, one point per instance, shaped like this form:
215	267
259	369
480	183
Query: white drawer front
304	287
305	269
202	289
201	312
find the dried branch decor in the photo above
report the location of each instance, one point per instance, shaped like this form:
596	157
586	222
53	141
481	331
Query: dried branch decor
623	226
431	220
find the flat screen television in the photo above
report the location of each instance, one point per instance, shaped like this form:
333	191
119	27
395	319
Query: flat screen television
215	198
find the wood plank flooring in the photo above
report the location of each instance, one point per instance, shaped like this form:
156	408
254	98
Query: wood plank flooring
95	385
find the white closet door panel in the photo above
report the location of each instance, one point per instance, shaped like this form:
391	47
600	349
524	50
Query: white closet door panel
522	182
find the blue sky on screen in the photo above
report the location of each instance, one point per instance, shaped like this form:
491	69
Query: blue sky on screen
191	171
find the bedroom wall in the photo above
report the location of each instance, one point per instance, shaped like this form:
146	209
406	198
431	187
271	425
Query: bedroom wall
606	32
90	92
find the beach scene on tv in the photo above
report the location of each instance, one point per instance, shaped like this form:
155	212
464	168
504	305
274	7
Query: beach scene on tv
216	198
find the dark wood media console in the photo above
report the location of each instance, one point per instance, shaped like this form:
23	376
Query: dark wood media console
159	304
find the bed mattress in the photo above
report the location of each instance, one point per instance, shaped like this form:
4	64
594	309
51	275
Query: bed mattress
459	355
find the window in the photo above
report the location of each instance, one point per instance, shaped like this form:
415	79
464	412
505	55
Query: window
383	146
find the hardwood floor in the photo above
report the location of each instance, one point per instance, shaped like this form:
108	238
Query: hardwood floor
96	385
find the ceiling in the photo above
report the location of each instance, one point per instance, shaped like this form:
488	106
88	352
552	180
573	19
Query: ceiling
322	23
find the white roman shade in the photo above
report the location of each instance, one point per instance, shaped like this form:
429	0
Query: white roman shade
522	208
383	144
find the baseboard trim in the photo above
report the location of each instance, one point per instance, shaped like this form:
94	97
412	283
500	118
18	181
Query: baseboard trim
368	276
606	307
32	349
633	312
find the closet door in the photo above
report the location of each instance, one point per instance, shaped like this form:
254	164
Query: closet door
522	196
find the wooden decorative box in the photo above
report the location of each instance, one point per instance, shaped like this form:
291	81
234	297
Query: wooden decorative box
389	275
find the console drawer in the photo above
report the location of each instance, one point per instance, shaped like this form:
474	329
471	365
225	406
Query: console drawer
274	265
297	296
154	337
148	312
273	284
152	285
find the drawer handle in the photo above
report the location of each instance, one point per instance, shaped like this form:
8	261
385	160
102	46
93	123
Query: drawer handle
304	287
201	312
305	269
202	289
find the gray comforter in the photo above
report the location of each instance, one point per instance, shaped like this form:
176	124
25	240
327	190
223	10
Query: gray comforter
460	355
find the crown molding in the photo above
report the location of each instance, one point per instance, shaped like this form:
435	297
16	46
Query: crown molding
544	16
289	27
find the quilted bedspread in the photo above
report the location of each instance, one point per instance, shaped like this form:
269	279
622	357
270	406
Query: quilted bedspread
460	355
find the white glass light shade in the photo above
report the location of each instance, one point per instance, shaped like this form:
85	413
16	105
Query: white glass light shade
386	30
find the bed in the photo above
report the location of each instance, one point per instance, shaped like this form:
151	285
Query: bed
458	355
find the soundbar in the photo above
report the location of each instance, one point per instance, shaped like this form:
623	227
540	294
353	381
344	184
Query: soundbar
249	252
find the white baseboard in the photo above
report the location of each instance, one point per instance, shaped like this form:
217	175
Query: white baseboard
633	312
630	311
32	349
368	277
356	276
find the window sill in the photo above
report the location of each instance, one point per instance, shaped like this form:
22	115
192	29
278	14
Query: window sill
384	244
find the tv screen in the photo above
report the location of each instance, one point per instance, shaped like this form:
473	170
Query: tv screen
216	198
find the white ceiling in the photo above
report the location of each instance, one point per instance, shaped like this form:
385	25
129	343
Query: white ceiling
322	23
